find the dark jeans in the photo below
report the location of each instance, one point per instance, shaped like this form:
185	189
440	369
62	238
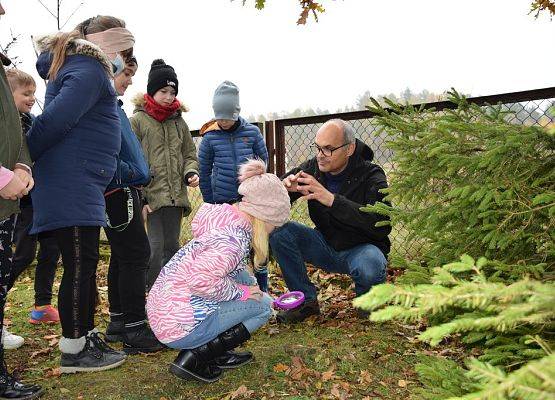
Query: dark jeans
130	252
25	251
76	299
164	227
6	237
294	244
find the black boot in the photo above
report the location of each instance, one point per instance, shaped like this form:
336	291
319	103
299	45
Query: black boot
230	339
114	331
10	388
205	362
197	364
141	340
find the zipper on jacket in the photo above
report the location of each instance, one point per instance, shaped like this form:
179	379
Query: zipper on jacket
233	152
168	162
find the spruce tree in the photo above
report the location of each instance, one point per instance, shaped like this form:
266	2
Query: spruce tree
467	181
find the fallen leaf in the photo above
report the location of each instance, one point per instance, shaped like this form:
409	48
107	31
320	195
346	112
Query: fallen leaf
241	391
328	375
40	352
50	337
365	377
64	390
279	367
53	373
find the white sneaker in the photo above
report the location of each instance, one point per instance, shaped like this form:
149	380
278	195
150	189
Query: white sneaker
11	341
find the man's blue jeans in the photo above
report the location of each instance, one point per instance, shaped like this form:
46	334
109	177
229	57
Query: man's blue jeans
294	244
252	313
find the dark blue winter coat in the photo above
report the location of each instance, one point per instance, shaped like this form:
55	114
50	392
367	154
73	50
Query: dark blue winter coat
132	169
220	155
75	141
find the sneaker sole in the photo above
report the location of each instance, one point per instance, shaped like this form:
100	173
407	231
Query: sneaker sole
72	370
38	322
188	375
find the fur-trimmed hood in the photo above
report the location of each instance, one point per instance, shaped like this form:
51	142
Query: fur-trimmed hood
83	47
139	102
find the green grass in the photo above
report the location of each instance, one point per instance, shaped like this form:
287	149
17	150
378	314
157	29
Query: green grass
333	356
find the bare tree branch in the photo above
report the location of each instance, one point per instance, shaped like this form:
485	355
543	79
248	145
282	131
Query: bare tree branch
47	9
71	15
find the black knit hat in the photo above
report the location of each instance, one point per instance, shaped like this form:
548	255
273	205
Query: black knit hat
161	75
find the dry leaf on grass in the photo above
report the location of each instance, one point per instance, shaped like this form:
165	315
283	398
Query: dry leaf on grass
40	352
279	367
53	373
242	391
364	377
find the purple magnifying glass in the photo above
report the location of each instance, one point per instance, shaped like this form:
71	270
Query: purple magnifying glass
289	300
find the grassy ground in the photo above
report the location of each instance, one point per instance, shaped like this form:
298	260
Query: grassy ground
334	356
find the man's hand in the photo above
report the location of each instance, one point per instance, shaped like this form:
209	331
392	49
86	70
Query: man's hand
311	189
25	178
146	210
290	182
193	181
14	190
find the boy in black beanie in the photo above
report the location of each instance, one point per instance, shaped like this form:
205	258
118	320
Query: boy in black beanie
172	157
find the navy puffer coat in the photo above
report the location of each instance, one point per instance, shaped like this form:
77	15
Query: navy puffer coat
220	155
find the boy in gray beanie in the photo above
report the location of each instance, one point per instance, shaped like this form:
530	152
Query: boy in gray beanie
228	141
226	102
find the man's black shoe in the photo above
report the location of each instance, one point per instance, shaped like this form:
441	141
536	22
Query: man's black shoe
300	313
141	340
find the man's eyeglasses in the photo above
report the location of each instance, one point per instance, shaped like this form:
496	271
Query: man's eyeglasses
327	151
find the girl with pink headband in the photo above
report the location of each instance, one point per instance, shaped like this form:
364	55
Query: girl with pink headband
75	143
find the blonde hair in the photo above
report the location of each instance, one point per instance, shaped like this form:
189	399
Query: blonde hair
97	24
260	243
18	78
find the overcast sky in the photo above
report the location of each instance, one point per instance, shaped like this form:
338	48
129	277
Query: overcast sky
478	46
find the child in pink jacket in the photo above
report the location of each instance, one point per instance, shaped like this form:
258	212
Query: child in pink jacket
204	301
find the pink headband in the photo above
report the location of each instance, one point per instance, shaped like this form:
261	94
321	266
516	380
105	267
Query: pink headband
112	41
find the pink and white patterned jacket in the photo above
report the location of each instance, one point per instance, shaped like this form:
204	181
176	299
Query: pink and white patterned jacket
200	275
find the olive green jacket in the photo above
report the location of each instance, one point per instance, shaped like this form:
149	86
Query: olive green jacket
13	149
171	155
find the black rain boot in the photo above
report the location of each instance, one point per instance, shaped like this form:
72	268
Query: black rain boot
230	339
198	363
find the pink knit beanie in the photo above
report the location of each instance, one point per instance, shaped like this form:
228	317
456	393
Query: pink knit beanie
264	195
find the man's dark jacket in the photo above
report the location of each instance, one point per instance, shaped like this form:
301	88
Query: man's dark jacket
343	224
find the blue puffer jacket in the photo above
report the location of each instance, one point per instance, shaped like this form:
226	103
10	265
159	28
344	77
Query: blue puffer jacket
220	155
75	141
132	167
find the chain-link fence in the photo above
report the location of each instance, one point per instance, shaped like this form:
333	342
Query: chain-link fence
289	140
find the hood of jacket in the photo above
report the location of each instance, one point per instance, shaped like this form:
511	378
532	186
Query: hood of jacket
214	217
212	125
44	45
139	102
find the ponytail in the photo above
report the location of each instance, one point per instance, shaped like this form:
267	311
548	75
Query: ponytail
59	49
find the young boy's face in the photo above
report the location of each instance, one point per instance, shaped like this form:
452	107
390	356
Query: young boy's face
125	79
24	98
165	96
225	123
